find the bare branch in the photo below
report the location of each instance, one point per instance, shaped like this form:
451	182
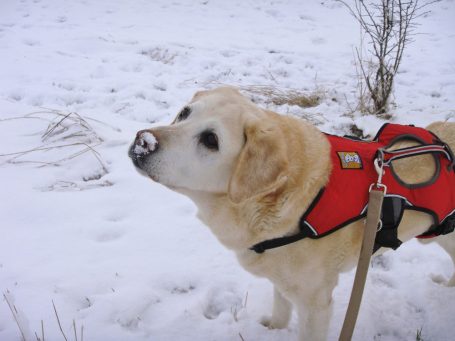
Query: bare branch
388	26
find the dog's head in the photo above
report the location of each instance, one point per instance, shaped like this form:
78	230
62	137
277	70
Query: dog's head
219	143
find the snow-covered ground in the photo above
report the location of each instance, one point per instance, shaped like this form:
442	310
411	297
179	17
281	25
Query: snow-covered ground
124	257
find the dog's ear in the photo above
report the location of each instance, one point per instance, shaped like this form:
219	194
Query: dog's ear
262	166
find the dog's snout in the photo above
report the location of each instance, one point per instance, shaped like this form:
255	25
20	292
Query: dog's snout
144	144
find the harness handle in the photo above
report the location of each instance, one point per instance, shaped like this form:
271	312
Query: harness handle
389	155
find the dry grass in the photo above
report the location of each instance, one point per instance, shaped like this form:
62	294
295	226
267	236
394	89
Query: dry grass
277	96
294	101
15	313
69	132
162	55
68	186
78	333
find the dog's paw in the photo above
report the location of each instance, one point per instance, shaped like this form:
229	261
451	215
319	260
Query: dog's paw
269	322
266	321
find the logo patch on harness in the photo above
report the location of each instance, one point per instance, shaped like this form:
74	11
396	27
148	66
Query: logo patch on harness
350	160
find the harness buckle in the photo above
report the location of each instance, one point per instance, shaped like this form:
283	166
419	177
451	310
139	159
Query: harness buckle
379	167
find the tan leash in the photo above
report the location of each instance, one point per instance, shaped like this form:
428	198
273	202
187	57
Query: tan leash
376	196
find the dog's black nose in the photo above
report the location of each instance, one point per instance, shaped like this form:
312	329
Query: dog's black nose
144	144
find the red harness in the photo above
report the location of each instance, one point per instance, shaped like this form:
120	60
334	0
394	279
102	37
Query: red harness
345	198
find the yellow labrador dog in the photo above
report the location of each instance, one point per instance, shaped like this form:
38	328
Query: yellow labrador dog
252	173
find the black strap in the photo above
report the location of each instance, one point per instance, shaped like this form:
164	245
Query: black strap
392	212
277	242
446	227
304	231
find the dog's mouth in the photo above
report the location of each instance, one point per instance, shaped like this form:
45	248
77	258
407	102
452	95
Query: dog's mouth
138	159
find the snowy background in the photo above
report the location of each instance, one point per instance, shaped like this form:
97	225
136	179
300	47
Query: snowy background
122	256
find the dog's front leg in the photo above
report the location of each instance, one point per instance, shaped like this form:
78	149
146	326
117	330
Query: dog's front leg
314	313
281	312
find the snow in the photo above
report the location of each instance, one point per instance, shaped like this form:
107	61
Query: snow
149	139
126	258
146	143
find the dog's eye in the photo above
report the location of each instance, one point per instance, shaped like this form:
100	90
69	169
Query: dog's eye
184	114
209	140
